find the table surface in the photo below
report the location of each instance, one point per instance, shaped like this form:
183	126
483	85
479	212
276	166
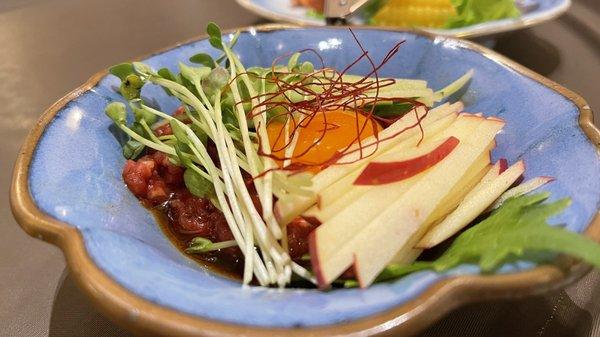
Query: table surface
51	46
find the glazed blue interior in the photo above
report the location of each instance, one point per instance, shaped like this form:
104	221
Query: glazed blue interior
535	10
75	176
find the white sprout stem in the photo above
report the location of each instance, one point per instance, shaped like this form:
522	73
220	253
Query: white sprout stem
223	245
150	132
235	213
228	165
301	271
263	184
259	270
264	236
158	147
219	138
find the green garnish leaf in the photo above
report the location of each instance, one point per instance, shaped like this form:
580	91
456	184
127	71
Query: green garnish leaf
184	160
293	61
197	184
131	87
391	109
470	12
143	69
122	70
143	114
518	229
166	74
178	132
203	59
216	42
307	67
199	133
215	81
117	112
132	149
193	73
214	33
213	30
199	245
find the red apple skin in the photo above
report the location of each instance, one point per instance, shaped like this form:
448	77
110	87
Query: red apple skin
503	165
385	173
312	220
493	118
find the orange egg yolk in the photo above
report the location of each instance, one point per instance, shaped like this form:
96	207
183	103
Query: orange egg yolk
322	136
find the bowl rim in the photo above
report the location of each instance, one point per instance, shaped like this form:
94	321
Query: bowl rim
142	316
477	30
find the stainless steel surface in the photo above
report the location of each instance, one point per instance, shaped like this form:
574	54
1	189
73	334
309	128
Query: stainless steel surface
340	9
51	46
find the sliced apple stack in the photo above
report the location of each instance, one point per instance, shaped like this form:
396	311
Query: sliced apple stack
386	222
483	195
403	130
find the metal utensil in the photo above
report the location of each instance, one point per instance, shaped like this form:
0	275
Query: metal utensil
336	11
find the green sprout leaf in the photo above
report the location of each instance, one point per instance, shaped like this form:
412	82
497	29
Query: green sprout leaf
132	149
293	61
307	68
184	160
143	69
122	70
197	184
142	114
202	136
215	81
199	245
178	132
203	59
216	42
117	112
166	74
213	30
193	73
131	87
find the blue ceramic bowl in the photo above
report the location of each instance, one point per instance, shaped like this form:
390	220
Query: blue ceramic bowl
533	12
68	190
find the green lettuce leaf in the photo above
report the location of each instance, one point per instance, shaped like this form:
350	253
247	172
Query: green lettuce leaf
470	12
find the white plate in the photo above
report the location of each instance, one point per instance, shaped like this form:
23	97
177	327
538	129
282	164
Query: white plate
534	12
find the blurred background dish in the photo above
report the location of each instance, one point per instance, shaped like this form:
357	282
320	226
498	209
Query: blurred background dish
469	19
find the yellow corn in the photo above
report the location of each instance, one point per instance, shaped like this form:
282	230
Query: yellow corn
414	13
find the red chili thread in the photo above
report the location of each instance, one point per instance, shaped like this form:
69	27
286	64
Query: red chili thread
327	91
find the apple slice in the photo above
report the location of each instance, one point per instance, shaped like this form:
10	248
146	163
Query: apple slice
521	189
341	194
500	166
403	129
381	173
404	222
330	253
406	149
473	205
410	255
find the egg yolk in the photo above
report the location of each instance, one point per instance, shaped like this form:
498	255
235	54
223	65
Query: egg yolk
322	135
